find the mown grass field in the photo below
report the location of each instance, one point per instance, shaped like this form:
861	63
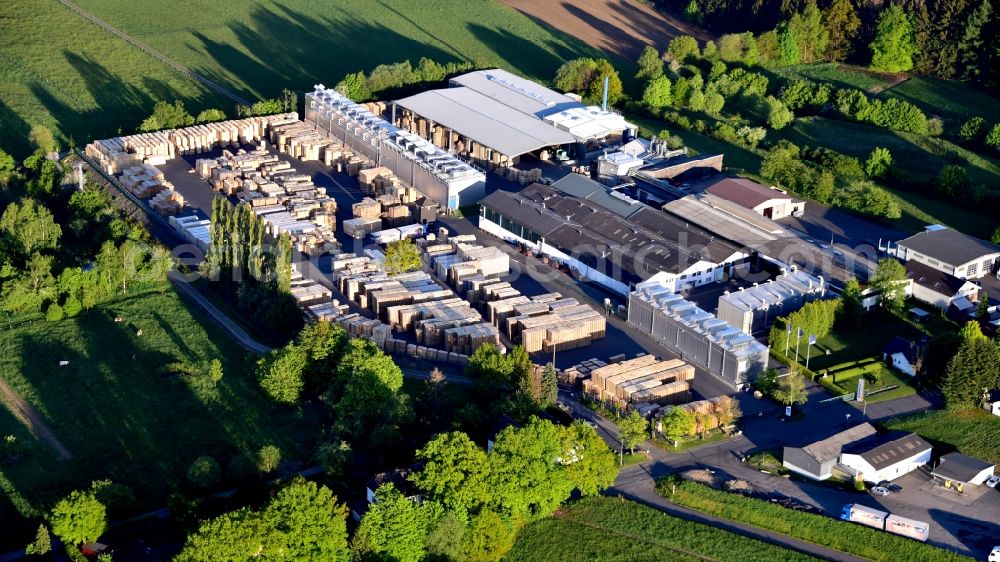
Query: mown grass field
954	102
608	529
860	541
838	75
65	72
973	432
120	416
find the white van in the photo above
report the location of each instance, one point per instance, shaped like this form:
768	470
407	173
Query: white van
995	555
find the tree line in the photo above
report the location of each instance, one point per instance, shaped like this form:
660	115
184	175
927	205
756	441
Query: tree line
64	250
952	39
389	81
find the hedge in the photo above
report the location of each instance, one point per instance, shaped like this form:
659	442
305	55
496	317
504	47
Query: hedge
852	538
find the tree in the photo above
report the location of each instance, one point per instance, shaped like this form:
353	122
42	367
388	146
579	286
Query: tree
842	23
996	236
525	470
575	75
893	47
43	139
650	64
204	471
215	371
971	331
454	473
7	165
268	459
778	116
726	410
589	465
401	256
973	369
32	289
952	181
789	52
445	538
865	197
692	13
210	116
167	116
549	387
791	389
731	47
355	87
27	227
993	138
713	101
42	544
366	388
394	527
677	424
595	89
983	308
280	373
972	55
852	298
488	538
888	281
972	130
79	518
682	47
632	429
304	521
879	162
657	93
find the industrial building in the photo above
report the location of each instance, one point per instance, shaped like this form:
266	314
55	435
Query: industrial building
430	170
817	459
951	252
753	309
697	336
768	202
933	286
493	117
608	248
956	470
885	457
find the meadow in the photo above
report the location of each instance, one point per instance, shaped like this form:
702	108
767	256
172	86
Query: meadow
121	415
854	539
611	529
972	432
79	79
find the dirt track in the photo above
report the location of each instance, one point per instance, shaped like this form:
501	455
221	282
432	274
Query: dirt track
621	27
29	416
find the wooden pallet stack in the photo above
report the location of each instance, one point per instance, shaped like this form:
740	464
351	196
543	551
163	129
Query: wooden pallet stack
167	202
643	379
581	371
367	208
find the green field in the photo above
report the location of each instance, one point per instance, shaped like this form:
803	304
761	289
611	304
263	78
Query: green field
609	529
860	541
973	432
120	415
837	75
69	74
954	102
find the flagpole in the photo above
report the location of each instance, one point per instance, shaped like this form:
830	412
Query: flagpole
788	338
809	350
798	341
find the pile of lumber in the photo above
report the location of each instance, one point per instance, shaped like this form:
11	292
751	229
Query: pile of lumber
167	202
115	154
524	177
367	208
581	371
460	259
303	141
144	180
644	379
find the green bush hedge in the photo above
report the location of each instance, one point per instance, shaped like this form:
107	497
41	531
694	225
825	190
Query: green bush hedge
851	538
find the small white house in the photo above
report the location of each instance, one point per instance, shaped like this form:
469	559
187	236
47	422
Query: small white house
992	402
886	457
901	354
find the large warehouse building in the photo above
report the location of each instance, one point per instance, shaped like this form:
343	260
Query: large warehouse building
697	336
434	172
612	249
493	117
753	309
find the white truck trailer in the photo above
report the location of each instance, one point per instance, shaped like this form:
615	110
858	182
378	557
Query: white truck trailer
917	530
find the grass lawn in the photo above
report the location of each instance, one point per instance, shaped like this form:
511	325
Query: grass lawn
953	101
120	416
973	432
867	340
838	75
692	442
888	377
609	529
65	72
858	540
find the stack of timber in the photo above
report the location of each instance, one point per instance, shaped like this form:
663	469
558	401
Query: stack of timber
115	154
144	181
167	202
303	141
194	230
524	177
642	380
367	208
326	311
466	260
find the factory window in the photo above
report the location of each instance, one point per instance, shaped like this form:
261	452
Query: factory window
987	265
972	270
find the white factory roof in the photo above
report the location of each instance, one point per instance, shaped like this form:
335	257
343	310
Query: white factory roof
485	120
497	87
775	291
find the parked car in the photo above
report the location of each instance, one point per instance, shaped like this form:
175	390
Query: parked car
992	481
880	491
894	488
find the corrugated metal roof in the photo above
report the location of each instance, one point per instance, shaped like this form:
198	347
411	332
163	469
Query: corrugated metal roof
949	246
829	449
485	120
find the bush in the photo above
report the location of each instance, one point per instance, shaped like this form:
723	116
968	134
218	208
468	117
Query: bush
72	306
879	162
993	138
972	130
682	47
268	459
54	313
778	116
657	93
724	131
204	472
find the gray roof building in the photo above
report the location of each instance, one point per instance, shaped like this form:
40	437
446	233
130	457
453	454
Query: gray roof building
583	187
753	309
883	451
962	468
816	459
950	251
